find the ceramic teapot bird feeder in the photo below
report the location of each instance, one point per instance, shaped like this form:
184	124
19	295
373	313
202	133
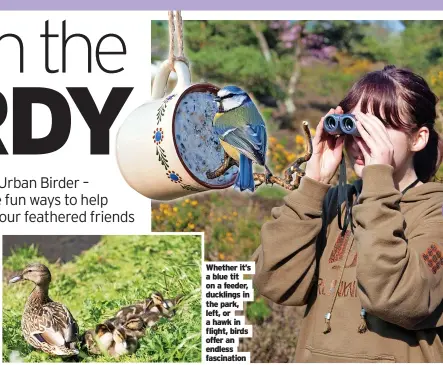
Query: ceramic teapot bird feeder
166	147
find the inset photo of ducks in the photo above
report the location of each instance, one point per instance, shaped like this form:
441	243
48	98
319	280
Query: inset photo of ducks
102	298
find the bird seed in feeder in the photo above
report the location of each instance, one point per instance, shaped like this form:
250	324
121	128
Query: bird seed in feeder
197	143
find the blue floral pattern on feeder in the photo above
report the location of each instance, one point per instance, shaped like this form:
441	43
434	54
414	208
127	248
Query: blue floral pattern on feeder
177	179
158	136
161	110
174	177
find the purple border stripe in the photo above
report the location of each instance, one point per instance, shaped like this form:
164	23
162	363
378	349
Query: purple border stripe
220	5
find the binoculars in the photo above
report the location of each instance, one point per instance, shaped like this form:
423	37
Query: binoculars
341	124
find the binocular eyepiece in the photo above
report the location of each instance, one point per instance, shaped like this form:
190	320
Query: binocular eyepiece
341	124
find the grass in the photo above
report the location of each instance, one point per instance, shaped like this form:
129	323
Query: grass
271	192
118	271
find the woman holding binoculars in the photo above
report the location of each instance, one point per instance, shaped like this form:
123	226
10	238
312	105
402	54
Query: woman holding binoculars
366	258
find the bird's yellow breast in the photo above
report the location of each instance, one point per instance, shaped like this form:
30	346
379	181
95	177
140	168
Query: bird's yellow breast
231	151
217	115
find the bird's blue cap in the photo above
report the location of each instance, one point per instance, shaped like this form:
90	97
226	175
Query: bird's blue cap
233	89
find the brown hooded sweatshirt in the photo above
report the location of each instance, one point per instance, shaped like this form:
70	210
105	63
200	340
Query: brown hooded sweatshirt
391	266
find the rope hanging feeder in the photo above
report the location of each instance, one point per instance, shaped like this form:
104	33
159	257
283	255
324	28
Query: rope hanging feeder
176	24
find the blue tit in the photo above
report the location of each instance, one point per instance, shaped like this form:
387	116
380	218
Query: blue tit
242	133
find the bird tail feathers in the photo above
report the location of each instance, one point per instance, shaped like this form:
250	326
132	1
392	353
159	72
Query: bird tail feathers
245	177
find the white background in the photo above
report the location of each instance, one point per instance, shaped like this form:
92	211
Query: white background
74	160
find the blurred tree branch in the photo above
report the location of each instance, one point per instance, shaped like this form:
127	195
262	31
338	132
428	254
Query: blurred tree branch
296	72
261	41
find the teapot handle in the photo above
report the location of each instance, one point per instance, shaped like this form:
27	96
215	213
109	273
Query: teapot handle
161	79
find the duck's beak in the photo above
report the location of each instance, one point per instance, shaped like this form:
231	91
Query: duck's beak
15	279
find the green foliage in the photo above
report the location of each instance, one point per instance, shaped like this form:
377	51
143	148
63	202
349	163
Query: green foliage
159	40
118	271
342	34
218	49
21	257
229	52
274	192
326	81
258	310
417	47
422	45
379	43
266	114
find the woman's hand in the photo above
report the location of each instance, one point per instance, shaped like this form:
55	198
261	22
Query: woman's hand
326	152
375	142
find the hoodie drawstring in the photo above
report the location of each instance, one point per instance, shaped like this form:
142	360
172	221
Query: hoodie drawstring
328	315
363	325
347	197
342	197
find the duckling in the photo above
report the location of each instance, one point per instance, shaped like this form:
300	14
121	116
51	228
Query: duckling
134	309
46	325
135	326
89	342
147	305
168	306
158	303
99	340
122	343
150	319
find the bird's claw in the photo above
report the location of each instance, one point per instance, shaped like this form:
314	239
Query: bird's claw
268	179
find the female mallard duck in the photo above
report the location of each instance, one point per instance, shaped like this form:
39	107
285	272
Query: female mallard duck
46	325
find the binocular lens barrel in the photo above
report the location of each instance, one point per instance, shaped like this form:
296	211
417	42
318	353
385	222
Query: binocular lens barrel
341	124
332	124
348	124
